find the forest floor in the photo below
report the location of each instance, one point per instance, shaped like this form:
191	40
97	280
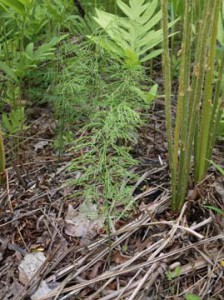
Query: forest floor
152	254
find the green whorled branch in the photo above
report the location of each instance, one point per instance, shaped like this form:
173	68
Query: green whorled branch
2	159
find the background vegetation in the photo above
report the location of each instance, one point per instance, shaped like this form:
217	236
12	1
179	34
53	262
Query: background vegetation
92	62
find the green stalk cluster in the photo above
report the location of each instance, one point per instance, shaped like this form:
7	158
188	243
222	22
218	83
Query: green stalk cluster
199	103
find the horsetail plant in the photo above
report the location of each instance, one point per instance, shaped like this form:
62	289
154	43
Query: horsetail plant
197	116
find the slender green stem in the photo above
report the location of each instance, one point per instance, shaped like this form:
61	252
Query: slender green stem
167	78
2	159
217	110
189	122
197	85
182	115
205	121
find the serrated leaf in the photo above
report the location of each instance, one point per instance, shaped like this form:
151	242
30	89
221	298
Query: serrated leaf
136	31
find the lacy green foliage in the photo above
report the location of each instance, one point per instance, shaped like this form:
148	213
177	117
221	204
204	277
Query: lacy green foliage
97	89
131	38
105	160
91	80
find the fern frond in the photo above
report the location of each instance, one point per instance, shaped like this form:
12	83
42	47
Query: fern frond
133	36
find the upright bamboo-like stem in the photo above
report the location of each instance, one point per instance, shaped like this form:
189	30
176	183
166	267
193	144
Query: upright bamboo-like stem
190	117
182	114
201	153
2	159
167	78
217	109
196	94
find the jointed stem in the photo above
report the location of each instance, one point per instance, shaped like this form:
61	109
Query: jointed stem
2	159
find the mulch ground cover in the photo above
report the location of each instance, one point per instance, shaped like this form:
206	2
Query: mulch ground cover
150	254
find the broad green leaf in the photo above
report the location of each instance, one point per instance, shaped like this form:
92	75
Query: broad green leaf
105	19
29	49
13	4
14	122
149	41
26	2
8	71
125	8
152	55
147	97
57	39
150	24
152	94
138	8
149	13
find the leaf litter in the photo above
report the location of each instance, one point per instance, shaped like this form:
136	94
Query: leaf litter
84	223
76	257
